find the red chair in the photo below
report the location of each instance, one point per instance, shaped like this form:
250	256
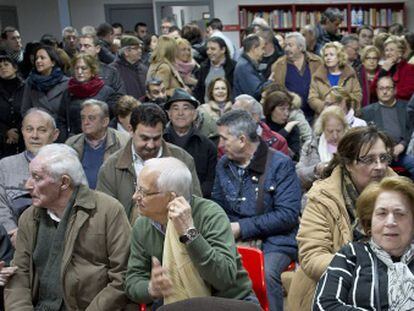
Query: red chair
253	262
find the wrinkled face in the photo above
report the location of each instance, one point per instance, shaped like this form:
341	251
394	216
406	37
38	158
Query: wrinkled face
371	61
154	42
82	72
392	225
391	51
332	27
43	189
330	58
7	71
184	52
333	130
365	37
150	201
87	46
386	91
220	92
93	123
133	53
142	31
157	91
258	52
231	144
165	27
14	41
44	65
147	140
292	49
280	113
182	115
364	172
351	49
70	40
37	132
215	53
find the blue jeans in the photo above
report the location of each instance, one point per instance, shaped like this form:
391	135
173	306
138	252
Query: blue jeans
406	161
275	264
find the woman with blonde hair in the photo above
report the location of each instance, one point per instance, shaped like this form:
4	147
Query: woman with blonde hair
370	57
335	72
185	63
163	65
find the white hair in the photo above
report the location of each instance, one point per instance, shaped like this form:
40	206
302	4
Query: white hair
59	160
173	176
299	38
254	107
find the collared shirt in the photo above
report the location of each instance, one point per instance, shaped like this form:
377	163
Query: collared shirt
54	217
120	128
96	144
138	161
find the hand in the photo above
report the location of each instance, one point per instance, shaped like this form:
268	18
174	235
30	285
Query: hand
12	236
160	284
388	63
398	149
319	169
6	273
290	125
179	212
272	77
235	228
12	136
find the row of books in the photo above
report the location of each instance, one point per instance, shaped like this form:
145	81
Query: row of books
313	17
376	17
275	19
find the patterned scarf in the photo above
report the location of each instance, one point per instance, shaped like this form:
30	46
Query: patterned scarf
400	278
351	194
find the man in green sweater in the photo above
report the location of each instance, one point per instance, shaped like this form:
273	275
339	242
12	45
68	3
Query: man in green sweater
165	195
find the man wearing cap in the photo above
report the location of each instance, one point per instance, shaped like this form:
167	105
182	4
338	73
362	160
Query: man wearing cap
133	72
180	131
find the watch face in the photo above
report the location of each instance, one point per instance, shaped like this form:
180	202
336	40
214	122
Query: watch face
192	232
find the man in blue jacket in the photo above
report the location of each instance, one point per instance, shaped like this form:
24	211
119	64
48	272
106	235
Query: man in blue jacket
260	192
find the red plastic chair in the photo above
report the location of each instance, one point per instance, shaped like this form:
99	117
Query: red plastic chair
142	307
253	262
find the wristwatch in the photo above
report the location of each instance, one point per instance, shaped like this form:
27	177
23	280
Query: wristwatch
189	236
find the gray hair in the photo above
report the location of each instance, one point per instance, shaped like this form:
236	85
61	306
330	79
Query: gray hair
349	39
309	28
332	15
59	160
94	102
253	106
42	112
88	30
69	29
173	176
299	38
240	122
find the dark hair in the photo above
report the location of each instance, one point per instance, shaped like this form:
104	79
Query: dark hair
148	114
48	39
104	29
174	28
396	29
273	87
118	25
222	44
409	37
139	24
211	88
251	42
51	51
350	145
215	23
349	38
275	99
125	105
6	30
192	33
364	27
331	14
8	59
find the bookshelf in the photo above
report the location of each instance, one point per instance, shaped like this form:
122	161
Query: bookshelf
291	17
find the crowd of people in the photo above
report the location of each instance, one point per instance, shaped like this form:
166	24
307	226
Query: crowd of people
133	164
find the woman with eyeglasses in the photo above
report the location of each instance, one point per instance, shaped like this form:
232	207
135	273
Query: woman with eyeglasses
370	57
329	220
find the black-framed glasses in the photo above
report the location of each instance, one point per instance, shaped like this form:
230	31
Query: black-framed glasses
384	158
145	194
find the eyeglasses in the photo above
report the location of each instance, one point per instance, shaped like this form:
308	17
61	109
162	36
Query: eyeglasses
384	158
145	194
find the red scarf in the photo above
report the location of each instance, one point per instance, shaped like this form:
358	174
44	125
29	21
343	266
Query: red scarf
85	89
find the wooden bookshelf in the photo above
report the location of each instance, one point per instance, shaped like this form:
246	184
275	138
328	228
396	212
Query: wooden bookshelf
291	17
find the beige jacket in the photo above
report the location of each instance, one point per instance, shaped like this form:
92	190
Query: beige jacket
167	73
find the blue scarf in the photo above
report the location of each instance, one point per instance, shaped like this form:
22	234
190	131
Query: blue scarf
45	83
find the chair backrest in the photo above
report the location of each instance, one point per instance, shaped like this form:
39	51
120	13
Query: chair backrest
253	262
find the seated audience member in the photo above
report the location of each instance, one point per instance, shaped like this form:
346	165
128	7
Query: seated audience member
276	108
46	83
38	129
330	126
370	57
376	273
329	220
247	79
295	69
409	38
390	115
181	108
155	93
122	111
273	50
396	29
219	98
271	138
260	193
96	142
379	40
397	67
105	34
365	36
218	65
70	40
70	236
118	174
351	47
335	72
89	44
11	96
340	97
132	71
85	84
191	236
163	65
186	65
